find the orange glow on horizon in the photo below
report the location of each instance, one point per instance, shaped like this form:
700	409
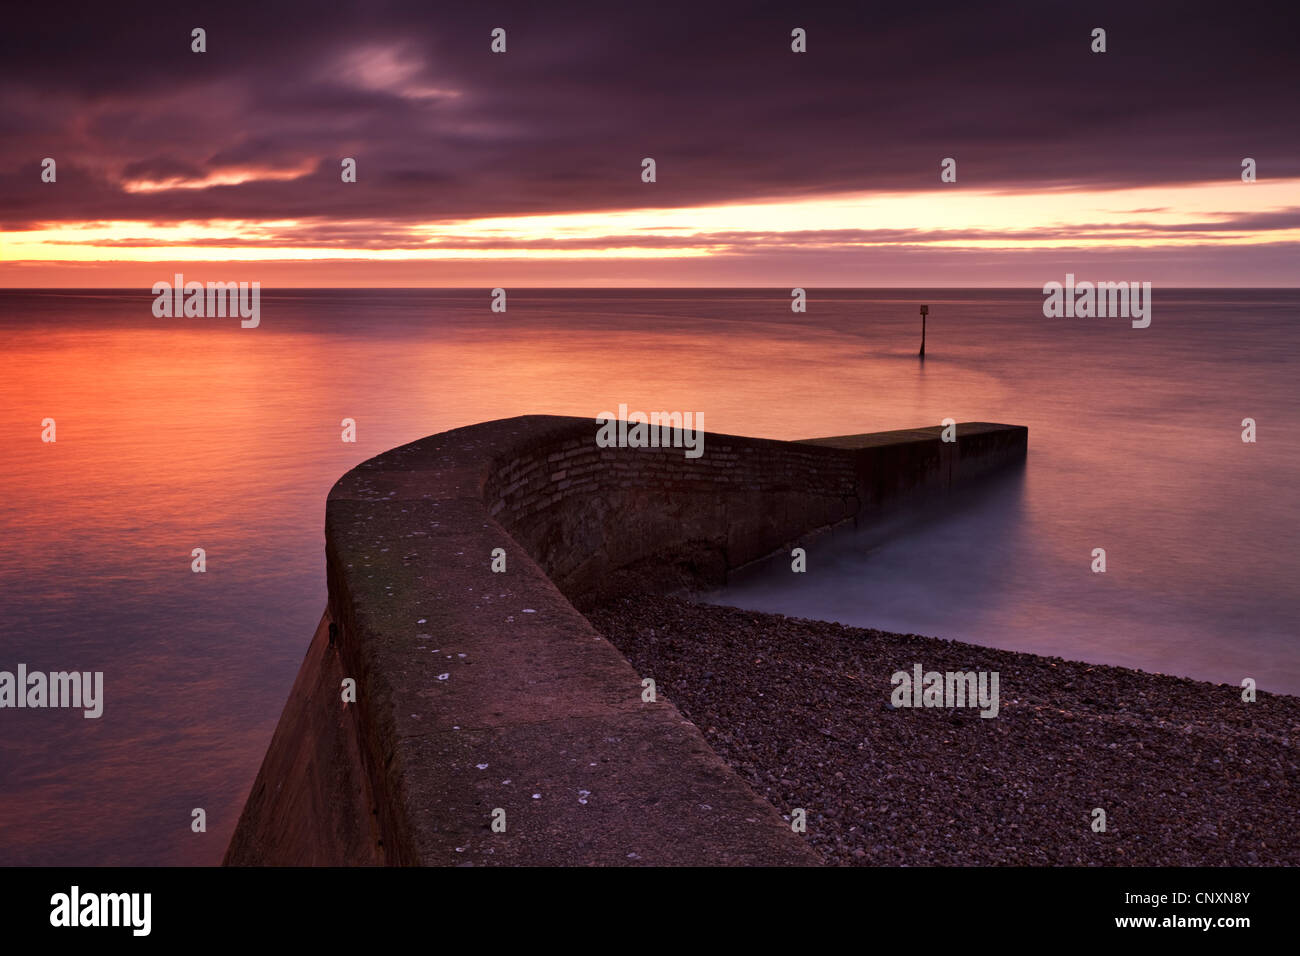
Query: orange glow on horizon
942	219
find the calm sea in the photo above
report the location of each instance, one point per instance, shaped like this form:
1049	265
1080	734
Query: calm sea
174	434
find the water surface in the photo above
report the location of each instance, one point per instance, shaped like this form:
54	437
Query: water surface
183	433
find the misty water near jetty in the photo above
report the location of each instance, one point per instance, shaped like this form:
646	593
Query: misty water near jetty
183	433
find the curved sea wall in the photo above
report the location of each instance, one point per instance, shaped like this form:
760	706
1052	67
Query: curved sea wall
483	698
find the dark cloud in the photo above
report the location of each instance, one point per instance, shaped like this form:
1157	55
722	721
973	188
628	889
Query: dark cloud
160	168
443	129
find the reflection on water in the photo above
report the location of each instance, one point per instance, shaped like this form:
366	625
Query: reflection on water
175	434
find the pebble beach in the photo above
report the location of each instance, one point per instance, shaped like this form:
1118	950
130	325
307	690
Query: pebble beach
1186	772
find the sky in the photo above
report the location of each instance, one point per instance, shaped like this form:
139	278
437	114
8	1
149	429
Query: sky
820	168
